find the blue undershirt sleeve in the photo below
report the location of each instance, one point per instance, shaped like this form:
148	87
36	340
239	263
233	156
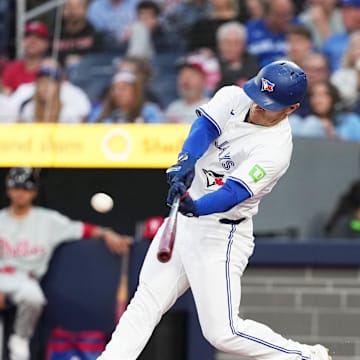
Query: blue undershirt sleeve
229	195
202	133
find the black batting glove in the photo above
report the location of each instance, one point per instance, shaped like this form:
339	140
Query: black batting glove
188	206
183	171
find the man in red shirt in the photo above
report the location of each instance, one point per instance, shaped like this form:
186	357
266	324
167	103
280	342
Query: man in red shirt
35	47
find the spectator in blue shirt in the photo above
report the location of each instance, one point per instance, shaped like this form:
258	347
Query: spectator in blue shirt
125	103
114	18
336	45
267	36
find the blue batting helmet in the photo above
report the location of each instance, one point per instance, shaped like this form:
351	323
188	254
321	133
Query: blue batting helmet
277	85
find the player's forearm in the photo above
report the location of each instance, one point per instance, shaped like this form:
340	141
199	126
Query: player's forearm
100	232
229	195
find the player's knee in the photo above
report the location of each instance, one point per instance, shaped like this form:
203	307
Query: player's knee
221	334
34	300
219	337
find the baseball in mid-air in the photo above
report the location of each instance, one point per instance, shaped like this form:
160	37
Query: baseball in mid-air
102	202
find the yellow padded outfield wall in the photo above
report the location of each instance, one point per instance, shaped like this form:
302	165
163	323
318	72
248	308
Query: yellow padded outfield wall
91	145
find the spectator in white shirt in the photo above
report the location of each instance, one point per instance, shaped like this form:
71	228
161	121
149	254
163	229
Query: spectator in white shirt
191	85
75	103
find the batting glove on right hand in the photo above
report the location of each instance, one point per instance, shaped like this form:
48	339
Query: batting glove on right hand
183	171
187	205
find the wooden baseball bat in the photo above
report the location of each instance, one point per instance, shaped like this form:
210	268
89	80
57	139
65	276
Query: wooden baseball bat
167	239
122	296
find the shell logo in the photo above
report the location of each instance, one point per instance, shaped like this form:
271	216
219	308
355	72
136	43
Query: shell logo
117	144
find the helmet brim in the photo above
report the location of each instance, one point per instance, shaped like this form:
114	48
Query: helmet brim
252	90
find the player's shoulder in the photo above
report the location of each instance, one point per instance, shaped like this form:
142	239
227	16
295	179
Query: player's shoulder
237	96
46	212
233	92
232	97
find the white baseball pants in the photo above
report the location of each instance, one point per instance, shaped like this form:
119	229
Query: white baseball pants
29	298
210	258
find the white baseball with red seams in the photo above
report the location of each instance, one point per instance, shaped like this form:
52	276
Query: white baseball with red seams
209	256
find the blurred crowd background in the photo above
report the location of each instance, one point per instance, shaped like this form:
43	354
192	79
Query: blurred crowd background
156	61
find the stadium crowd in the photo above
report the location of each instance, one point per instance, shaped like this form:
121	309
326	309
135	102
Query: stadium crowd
155	61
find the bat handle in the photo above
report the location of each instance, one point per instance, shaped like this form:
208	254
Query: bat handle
175	205
168	237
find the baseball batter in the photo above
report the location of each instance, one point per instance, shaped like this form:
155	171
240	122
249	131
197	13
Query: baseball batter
236	151
28	237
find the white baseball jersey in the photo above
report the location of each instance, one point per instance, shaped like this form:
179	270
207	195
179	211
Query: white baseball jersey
210	256
27	244
252	155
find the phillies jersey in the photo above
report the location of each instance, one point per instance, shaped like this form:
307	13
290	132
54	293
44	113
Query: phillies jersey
255	156
27	244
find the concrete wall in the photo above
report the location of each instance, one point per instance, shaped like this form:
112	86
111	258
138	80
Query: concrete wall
320	171
311	305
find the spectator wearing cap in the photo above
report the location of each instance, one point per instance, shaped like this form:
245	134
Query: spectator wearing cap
236	63
35	46
125	103
144	70
191	87
267	36
335	46
46	105
75	103
78	37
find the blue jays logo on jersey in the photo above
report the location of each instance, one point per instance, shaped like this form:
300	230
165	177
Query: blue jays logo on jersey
267	85
213	178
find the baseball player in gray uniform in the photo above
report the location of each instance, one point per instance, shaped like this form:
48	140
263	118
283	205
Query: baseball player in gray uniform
235	153
28	237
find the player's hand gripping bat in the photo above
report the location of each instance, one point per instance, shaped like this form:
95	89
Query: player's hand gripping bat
167	239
